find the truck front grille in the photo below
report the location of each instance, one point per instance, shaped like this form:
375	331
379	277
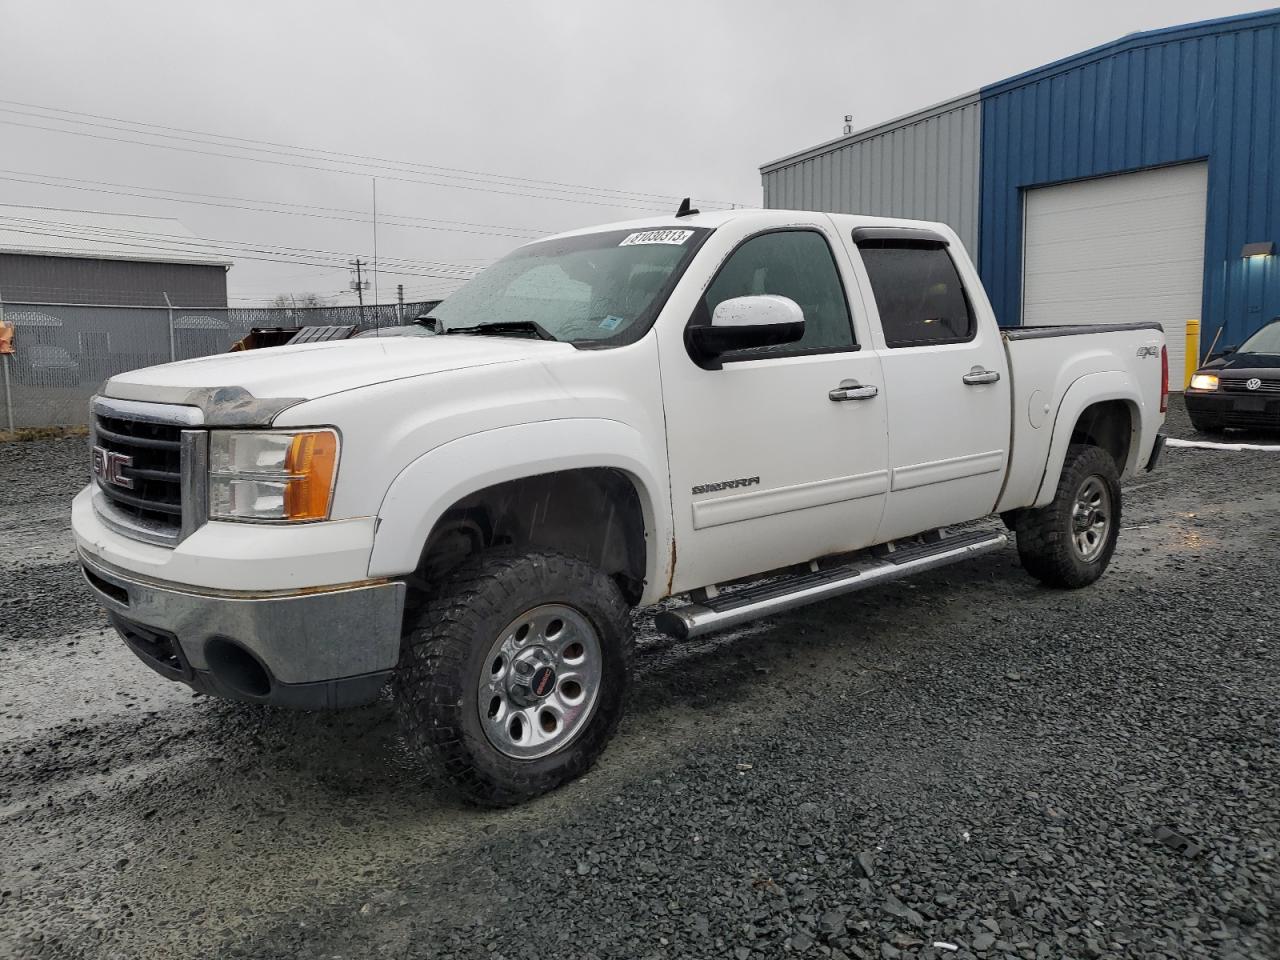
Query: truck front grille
141	452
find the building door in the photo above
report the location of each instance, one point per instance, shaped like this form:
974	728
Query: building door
1118	249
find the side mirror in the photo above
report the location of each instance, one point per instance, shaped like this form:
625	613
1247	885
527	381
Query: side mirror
742	322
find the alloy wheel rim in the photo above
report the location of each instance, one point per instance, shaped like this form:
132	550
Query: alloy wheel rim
539	684
1091	519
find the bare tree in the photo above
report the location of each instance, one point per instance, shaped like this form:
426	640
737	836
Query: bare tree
299	301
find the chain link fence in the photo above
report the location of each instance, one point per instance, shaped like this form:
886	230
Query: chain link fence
63	353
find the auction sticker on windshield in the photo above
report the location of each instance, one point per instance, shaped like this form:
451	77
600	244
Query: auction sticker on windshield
676	237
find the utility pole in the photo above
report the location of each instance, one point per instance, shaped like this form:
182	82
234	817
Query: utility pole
400	304
359	284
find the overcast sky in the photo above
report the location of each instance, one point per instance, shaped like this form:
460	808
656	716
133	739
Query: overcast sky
657	97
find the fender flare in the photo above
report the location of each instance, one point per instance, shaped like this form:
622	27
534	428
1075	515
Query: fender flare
426	488
1083	393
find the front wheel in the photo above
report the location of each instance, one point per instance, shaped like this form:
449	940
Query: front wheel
1069	542
513	679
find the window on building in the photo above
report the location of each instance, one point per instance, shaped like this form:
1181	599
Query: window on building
918	292
790	263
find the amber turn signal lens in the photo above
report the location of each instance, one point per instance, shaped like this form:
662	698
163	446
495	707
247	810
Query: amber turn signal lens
310	464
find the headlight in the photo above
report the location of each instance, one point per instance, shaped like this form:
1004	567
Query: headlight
1204	381
279	476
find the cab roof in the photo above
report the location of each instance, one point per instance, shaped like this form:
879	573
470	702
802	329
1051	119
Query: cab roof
718	218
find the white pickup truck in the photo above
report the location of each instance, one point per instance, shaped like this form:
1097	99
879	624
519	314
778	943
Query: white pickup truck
751	410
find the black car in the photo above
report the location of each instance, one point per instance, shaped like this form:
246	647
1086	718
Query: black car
1240	387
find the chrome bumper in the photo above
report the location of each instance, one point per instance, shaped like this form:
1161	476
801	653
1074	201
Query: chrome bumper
327	647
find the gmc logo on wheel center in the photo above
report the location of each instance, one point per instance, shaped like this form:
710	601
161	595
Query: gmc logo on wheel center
108	466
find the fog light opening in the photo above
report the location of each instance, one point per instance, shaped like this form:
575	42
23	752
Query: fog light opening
235	667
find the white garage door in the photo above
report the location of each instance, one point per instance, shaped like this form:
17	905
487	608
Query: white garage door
1117	250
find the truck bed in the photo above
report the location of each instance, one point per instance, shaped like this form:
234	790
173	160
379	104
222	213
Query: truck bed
1049	373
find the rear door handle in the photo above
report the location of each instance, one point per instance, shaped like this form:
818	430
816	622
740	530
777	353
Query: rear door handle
978	375
852	390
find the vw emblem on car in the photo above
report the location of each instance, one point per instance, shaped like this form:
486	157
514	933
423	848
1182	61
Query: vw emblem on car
1253	384
108	466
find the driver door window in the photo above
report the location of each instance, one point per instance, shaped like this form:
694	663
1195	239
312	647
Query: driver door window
790	263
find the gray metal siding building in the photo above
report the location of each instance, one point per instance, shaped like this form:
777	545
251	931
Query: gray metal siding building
44	279
1135	180
91	294
925	165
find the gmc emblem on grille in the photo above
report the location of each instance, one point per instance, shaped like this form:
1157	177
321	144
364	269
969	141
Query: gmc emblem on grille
108	466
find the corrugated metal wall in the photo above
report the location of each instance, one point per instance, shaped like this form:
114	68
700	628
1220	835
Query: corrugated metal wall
925	166
28	278
1205	91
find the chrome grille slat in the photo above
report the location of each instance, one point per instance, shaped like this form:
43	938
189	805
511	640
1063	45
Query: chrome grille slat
170	476
124	439
140	503
1237	385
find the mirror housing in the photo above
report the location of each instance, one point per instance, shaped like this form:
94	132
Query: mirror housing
739	323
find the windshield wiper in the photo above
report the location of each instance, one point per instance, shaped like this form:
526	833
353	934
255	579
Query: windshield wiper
505	326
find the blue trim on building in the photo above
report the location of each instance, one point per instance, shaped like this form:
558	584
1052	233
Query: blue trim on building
1204	91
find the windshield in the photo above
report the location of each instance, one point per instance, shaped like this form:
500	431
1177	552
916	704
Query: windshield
598	288
1266	340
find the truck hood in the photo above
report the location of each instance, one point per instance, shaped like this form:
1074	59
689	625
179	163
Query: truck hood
250	387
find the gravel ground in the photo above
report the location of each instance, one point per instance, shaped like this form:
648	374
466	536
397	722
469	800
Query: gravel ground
965	759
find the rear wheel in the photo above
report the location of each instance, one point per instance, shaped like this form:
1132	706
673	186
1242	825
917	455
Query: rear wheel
1069	542
513	680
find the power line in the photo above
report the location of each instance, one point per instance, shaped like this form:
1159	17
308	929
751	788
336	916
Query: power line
71	232
297	209
96	231
592	201
211	139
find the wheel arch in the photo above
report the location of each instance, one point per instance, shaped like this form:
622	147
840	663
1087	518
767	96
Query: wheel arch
1104	409
550	466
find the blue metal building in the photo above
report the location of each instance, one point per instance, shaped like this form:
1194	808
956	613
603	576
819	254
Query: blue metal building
1126	180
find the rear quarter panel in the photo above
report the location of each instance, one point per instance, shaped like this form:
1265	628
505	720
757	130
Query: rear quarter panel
1054	379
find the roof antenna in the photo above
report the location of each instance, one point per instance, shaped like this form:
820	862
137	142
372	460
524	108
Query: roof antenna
685	210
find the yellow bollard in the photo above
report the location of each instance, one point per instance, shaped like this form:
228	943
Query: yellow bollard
1193	351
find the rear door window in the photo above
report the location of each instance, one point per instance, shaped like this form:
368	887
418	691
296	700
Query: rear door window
918	292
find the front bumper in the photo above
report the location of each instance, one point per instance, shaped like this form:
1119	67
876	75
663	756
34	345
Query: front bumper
312	649
1249	411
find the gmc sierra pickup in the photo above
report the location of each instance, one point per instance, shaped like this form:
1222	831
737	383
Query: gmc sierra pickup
752	410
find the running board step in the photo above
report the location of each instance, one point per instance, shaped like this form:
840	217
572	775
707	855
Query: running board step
777	596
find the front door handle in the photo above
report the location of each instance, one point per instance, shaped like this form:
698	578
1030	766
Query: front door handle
852	390
978	375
